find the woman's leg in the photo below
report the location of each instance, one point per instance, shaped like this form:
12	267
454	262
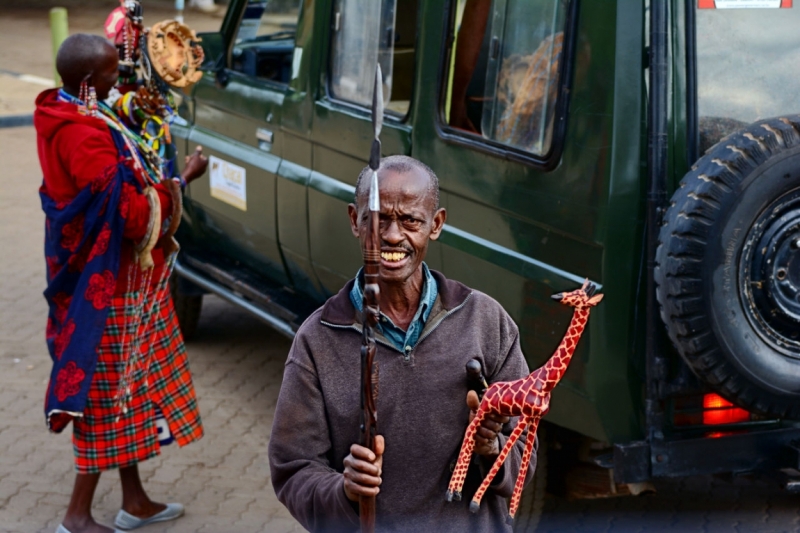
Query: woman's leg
79	513
135	500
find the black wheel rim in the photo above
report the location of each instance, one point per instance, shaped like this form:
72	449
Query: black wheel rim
770	274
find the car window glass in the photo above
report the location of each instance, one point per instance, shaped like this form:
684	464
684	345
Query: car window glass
503	75
747	62
264	45
366	32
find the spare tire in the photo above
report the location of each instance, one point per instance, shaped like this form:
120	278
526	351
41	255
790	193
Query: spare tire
728	268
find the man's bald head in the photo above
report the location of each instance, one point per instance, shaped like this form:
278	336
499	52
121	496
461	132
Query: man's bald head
81	55
401	164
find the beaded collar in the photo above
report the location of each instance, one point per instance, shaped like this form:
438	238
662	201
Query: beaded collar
144	157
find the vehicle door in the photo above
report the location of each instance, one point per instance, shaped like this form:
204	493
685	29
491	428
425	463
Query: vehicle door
522	130
360	34
237	118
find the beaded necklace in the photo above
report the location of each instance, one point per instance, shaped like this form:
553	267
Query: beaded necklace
145	159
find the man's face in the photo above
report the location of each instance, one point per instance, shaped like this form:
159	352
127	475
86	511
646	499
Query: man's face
408	220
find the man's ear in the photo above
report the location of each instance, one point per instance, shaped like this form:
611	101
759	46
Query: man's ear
439	218
352	212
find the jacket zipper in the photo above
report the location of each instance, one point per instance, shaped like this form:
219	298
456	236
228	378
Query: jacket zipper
359	330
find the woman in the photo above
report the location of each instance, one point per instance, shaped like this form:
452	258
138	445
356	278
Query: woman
118	356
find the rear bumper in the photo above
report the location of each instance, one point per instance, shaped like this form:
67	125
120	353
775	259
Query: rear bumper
746	452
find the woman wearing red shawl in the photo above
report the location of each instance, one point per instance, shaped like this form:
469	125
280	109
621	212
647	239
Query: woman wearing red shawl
117	352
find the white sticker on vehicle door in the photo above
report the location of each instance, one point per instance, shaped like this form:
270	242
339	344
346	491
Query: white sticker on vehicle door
228	182
296	59
743	4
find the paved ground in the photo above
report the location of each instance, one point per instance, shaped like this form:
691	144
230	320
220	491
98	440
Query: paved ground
25	27
237	365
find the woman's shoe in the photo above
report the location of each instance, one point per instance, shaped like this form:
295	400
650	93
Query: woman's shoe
62	529
128	521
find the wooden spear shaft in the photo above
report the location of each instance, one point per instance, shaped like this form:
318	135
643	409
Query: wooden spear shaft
372	296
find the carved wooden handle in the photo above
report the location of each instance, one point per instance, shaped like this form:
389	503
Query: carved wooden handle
145	248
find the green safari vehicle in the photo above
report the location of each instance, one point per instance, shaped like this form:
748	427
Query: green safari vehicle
627	142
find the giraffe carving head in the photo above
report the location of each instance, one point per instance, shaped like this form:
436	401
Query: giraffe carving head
582	298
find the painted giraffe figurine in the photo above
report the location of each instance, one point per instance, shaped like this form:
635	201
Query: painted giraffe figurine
528	398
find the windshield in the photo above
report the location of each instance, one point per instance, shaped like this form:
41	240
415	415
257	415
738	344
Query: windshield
747	65
268	19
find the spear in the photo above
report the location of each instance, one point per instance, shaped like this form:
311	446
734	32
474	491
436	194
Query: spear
372	297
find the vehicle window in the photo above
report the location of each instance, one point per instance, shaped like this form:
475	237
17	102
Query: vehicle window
504	69
747	63
366	32
264	45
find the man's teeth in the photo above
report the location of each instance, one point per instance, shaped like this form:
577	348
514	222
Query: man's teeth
393	256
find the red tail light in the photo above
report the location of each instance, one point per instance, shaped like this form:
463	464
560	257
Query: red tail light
717	410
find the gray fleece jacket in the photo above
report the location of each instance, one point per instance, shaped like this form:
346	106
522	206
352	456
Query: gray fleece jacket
422	415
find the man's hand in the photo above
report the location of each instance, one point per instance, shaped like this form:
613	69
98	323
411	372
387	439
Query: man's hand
363	469
486	442
195	166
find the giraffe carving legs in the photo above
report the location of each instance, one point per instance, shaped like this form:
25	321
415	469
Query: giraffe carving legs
516	496
498	462
464	457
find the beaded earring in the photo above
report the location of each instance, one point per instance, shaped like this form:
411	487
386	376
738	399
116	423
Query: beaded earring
91	103
83	94
88	97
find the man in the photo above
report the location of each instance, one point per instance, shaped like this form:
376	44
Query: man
430	327
206	6
114	364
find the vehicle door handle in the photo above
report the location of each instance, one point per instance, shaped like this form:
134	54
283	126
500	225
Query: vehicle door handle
264	138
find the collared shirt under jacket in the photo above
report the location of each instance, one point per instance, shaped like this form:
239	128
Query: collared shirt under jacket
404	341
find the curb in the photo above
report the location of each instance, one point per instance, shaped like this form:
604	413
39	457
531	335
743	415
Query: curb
37	80
16	121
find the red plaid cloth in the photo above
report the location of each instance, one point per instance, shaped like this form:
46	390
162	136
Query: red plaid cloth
100	441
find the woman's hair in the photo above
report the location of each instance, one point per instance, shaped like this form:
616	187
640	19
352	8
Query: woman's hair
78	57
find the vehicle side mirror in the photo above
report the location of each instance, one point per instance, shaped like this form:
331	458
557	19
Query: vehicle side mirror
214	61
221	73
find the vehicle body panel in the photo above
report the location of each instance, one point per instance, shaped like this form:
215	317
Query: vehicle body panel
518	228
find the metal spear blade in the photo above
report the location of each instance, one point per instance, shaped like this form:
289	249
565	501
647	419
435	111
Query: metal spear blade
377	119
377	102
374	195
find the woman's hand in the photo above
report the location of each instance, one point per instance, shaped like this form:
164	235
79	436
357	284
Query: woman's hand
196	165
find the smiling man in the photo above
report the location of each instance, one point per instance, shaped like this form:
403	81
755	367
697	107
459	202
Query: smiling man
429	328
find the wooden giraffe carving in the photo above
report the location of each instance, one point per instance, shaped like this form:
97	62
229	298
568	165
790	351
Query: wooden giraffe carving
528	398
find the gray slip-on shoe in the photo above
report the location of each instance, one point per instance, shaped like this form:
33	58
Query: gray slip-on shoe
62	529
128	521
